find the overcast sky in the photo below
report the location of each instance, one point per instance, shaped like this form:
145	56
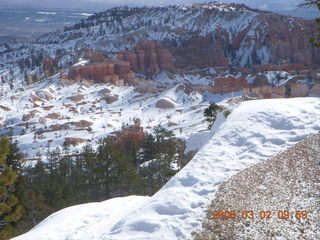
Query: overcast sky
272	5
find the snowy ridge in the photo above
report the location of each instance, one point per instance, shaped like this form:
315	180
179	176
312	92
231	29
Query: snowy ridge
255	131
172	22
245	32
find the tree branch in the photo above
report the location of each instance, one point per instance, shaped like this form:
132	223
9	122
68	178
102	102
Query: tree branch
309	3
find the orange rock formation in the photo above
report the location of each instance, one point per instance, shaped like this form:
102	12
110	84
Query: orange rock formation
148	57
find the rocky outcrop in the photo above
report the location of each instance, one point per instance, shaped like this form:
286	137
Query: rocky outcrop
148	57
59	127
53	116
303	90
292	90
76	98
299	90
225	85
222	85
30	115
315	89
74	141
104	91
265	92
164	104
132	132
93	56
111	98
199	52
47	108
116	72
82	124
44	95
4	108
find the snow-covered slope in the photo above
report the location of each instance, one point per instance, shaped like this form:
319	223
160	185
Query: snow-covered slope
255	131
41	116
84	221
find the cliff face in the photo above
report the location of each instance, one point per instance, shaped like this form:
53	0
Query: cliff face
148	57
132	132
292	90
269	39
287	39
116	73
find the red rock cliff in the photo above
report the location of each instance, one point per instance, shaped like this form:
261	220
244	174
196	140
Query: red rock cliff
148	57
117	73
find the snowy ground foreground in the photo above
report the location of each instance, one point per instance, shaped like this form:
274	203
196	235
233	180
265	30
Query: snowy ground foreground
254	131
84	221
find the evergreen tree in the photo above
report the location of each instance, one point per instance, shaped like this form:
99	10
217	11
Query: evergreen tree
159	155
114	172
148	149
315	40
10	210
211	112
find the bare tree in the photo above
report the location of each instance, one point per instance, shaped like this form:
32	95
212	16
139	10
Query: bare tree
309	3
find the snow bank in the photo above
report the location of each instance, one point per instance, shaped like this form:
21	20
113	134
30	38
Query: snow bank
84	221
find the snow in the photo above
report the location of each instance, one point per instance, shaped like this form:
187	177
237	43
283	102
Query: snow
84	221
278	78
253	132
106	118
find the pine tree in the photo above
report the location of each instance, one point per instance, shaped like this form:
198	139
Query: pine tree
10	210
148	149
114	172
211	112
316	39
159	154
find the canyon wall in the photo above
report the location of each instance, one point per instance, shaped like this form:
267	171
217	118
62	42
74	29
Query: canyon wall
292	90
117	73
148	58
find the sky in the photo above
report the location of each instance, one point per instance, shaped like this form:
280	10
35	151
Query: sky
270	5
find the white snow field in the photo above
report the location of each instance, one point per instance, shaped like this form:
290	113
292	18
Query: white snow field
255	131
85	221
